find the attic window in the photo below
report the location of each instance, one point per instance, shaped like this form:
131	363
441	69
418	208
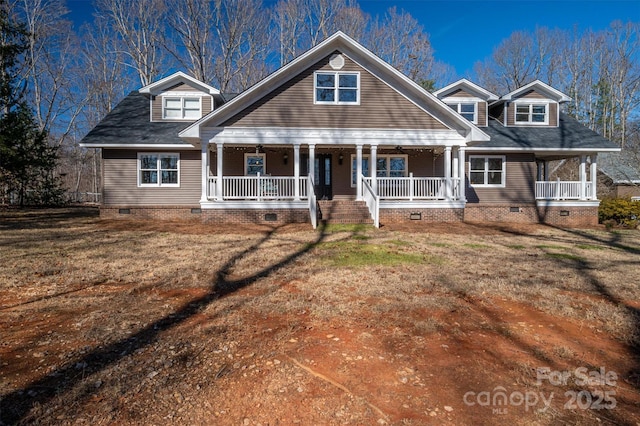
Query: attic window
531	114
181	108
465	109
337	87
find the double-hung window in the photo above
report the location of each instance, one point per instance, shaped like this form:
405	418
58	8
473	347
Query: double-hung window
181	108
386	166
487	170
336	87
531	113
466	109
158	169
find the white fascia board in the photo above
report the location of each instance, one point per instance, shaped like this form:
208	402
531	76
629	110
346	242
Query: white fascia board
279	136
138	145
156	87
462	83
545	150
554	94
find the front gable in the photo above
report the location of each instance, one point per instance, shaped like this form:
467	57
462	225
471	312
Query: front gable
180	97
388	100
467	99
294	105
535	104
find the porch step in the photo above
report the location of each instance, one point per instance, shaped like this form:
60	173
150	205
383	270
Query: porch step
344	211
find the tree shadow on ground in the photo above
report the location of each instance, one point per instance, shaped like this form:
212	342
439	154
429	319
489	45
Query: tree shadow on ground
16	406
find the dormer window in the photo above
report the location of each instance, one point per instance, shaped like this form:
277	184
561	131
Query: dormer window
337	87
181	108
466	109
531	113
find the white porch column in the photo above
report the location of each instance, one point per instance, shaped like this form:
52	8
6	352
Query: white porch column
447	172
583	177
358	172
373	167
454	169
539	171
296	171
204	162
594	176
461	173
220	150
312	161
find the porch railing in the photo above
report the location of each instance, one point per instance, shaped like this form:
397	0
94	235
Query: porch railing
258	188
414	188
371	200
563	190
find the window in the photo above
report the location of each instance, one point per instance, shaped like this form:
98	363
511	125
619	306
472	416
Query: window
254	164
487	170
337	88
386	166
465	109
531	113
181	108
158	169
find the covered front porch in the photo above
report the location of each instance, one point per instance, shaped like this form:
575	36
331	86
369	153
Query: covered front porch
584	189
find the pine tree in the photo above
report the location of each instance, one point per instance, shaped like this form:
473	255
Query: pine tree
27	161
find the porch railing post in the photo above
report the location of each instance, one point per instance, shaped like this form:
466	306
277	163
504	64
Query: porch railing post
558	186
373	168
258	186
411	189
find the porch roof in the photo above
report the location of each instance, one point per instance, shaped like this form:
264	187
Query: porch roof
569	135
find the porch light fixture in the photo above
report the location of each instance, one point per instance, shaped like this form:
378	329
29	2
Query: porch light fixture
340	158
285	158
258	149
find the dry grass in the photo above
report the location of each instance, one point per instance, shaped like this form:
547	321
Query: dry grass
109	321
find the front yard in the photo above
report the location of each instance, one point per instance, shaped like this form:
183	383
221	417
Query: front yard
112	322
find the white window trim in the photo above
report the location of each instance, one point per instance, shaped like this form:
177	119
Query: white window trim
379	156
530	103
159	184
182	97
335	88
264	162
486	171
459	101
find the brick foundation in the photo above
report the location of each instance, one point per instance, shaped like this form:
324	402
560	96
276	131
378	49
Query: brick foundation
421	215
256	216
569	216
151	212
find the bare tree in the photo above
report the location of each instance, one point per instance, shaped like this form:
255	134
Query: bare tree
194	48
243	41
139	26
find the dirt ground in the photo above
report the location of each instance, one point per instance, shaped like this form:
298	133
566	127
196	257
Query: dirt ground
123	322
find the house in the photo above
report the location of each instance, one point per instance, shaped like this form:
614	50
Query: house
339	134
621	173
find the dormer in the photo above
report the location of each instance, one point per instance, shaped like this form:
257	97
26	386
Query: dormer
180	97
536	104
467	99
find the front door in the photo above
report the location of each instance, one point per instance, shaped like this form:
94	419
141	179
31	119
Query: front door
322	178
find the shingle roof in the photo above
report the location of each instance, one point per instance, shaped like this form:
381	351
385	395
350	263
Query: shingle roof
128	123
570	134
621	167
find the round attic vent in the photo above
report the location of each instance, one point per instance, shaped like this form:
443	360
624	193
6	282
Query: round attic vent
336	61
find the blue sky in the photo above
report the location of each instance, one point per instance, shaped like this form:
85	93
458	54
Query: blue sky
466	31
